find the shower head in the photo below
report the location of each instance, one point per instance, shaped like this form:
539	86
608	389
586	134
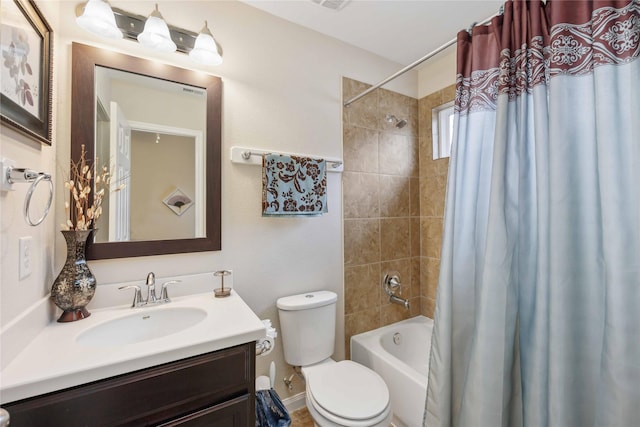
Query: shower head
399	123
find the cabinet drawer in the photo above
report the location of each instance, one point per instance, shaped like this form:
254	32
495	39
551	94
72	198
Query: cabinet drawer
145	397
234	413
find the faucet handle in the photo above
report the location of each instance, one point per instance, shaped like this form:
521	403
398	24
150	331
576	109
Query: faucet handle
137	296
391	283
165	295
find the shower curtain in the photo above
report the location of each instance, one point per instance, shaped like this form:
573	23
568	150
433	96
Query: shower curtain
537	319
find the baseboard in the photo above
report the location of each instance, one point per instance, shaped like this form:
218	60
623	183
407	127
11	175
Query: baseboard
294	403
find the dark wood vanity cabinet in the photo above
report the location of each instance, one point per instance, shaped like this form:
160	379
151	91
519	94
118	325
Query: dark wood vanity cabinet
213	389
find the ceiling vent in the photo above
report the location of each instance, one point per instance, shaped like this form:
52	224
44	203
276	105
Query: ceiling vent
332	4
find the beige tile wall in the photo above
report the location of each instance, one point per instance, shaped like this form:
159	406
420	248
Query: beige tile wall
394	195
381	207
433	184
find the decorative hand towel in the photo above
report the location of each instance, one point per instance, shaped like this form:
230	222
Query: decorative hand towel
293	185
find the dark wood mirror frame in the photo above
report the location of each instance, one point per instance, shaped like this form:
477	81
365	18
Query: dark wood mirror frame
84	60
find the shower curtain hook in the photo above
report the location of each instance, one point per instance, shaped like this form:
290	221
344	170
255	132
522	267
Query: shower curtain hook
471	28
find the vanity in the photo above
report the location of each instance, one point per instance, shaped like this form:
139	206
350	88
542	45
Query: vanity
211	389
190	362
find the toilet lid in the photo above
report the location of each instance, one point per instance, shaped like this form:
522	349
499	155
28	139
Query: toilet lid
348	390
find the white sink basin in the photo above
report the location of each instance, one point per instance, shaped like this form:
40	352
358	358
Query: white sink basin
143	325
117	339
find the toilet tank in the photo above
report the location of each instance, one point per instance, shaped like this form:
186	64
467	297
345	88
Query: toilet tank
307	326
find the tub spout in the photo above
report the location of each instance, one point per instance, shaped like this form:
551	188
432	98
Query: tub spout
397	300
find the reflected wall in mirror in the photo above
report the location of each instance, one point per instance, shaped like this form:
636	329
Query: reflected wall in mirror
152	148
158	128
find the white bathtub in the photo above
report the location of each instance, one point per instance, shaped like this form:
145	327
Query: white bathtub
404	364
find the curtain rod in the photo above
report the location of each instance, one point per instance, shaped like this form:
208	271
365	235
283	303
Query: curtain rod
416	63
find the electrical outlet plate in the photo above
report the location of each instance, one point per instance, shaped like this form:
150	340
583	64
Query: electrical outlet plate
6	164
24	257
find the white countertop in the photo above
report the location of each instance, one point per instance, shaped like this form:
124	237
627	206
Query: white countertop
54	360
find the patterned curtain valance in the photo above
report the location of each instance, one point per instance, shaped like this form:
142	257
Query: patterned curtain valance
559	38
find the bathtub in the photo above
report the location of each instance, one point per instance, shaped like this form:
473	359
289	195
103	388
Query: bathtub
399	353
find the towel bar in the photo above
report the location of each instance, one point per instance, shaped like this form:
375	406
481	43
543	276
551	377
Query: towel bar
252	156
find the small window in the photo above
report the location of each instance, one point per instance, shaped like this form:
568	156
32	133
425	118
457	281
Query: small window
442	128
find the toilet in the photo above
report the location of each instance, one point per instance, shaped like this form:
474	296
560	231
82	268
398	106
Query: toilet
338	394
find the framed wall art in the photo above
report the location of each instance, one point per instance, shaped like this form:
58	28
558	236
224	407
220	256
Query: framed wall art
25	69
178	202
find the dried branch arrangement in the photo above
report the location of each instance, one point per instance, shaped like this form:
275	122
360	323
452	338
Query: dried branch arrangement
85	215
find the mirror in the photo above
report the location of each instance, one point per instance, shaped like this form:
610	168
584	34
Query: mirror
158	129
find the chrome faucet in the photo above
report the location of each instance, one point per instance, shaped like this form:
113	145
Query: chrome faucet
152	298
397	300
151	288
391	284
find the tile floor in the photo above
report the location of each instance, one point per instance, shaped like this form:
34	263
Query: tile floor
301	418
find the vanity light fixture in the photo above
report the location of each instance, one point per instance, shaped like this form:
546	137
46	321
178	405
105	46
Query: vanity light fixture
205	49
152	31
97	18
156	33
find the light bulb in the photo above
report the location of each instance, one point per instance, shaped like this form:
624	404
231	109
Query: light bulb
98	19
156	33
205	49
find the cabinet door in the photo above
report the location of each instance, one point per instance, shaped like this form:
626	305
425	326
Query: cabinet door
147	397
234	413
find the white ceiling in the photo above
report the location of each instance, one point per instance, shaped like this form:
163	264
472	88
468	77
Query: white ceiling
402	31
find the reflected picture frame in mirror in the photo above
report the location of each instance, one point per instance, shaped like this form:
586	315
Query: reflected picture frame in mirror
85	59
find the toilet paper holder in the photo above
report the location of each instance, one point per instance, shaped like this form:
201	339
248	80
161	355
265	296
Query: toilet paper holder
265	345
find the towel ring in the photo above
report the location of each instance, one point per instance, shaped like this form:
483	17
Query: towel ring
27	175
27	199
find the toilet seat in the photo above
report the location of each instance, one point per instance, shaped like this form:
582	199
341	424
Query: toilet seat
347	393
330	420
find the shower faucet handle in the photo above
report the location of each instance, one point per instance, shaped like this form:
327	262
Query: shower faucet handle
391	283
392	286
